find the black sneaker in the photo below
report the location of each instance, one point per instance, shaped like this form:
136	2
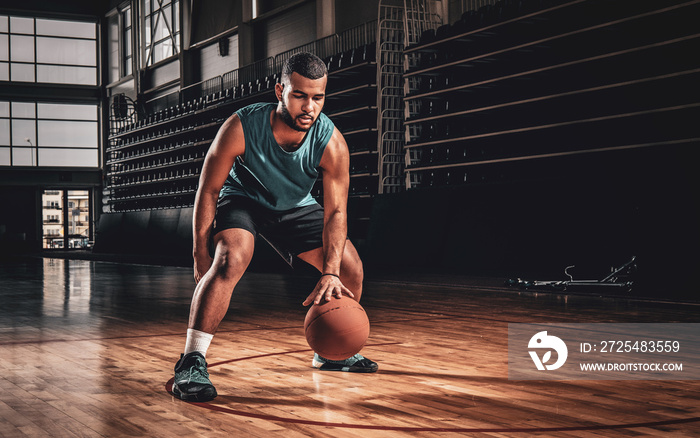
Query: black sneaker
354	364
192	379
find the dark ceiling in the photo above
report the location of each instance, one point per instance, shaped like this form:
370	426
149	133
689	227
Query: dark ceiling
96	8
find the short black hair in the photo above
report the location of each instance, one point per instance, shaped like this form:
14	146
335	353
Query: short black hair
306	64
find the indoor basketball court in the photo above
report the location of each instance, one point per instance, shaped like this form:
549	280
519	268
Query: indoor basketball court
510	187
88	350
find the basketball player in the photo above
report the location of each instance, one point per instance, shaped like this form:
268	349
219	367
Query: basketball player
256	180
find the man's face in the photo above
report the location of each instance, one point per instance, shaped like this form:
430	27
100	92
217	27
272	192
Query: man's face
301	100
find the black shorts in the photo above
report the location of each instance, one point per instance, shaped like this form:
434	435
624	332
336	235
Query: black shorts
289	232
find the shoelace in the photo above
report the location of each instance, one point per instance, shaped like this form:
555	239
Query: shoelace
357	358
198	369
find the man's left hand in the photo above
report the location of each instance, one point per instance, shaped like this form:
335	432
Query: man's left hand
328	286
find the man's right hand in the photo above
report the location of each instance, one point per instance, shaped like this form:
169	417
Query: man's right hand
202	263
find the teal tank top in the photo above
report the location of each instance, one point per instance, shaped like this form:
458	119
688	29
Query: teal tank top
275	178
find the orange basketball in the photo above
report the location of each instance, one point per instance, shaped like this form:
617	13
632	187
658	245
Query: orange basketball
336	329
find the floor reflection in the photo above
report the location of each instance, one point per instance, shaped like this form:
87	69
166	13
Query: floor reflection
67	287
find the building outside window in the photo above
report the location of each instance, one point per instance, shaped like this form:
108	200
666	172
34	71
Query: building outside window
67	227
52	201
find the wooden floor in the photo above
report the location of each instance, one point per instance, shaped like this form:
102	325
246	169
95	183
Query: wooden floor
87	349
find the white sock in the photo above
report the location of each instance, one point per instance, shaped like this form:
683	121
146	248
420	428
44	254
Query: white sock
197	341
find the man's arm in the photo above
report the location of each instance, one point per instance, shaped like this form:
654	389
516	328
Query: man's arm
227	145
335	165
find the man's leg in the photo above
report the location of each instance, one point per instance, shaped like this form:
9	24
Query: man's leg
352	275
234	250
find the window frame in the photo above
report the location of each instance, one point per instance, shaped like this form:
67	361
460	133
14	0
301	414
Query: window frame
122	59
125	60
37	144
35	64
147	42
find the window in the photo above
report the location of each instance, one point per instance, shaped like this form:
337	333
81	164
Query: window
48	51
66	227
48	134
120	52
127	56
161	30
113	60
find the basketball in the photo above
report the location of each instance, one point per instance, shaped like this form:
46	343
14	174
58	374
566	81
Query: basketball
336	329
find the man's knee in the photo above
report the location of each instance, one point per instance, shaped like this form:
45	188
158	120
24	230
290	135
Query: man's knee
230	264
352	268
356	270
232	258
